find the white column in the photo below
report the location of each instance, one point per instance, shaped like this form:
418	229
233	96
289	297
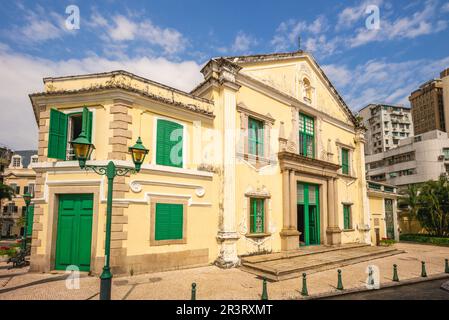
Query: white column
365	224
227	235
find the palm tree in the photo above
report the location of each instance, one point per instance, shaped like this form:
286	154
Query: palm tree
409	203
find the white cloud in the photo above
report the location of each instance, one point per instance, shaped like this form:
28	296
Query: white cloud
422	22
382	81
350	15
39	26
445	7
22	75
289	31
124	29
243	42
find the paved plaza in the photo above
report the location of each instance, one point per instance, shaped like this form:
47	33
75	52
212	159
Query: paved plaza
214	283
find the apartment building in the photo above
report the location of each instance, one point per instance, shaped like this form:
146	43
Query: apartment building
428	108
416	159
20	176
386	125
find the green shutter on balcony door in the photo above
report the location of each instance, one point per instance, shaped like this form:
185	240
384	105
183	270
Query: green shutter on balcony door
345	161
169	221
346	216
57	137
169	143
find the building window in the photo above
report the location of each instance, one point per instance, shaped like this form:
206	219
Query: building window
344	161
257	215
255	137
306	136
25	189
16	161
169	143
446	153
65	128
168	221
34	159
15	188
347	223
31	188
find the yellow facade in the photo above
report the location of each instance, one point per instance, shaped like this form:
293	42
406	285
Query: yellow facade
383	211
21	178
220	180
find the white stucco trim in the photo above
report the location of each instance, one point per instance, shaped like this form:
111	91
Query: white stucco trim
73	167
136	185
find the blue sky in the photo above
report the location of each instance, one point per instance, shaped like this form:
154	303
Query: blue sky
169	41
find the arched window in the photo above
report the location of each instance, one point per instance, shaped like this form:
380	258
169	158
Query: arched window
307	90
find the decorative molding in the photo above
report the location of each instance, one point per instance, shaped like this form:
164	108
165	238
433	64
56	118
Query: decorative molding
241	107
136	186
73	166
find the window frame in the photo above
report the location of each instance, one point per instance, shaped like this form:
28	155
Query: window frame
154	202
184	141
52	154
258	143
303	135
252	218
347	210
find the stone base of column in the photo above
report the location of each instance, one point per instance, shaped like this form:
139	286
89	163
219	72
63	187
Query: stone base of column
227	257
333	235
365	233
289	239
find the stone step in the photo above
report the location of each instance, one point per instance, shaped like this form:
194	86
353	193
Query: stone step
335	260
304	251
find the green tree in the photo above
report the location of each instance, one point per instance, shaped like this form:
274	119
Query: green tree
6	192
409	203
433	207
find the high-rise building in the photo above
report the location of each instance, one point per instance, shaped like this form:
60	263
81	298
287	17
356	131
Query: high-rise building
427	107
386	125
444	75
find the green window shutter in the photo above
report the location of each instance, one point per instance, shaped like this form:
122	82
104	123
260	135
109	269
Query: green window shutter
30	218
169	143
345	161
255	137
169	221
87	123
257	215
57	137
346	217
306	136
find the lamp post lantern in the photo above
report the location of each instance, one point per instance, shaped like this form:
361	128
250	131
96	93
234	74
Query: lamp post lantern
83	149
27	198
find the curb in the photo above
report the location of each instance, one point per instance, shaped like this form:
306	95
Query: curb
384	286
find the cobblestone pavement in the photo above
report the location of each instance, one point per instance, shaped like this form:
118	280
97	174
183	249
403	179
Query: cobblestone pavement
214	283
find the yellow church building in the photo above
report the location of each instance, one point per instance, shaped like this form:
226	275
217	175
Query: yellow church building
262	156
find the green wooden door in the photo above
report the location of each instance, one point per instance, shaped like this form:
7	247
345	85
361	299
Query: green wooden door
308	196
74	235
389	219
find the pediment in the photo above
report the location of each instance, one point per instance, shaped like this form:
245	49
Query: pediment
292	76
